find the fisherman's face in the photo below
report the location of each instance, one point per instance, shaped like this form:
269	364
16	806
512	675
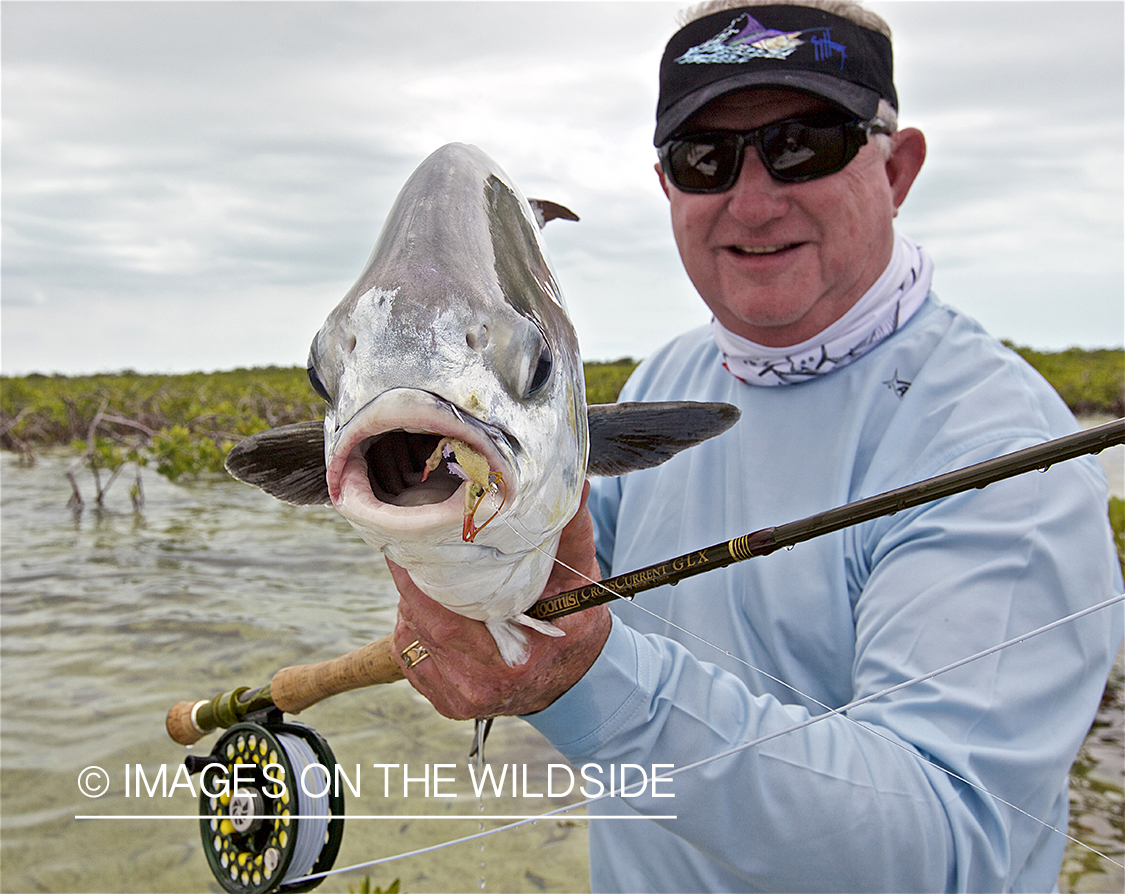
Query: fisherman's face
779	262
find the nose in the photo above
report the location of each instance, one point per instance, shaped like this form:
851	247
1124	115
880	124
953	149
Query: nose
756	198
476	336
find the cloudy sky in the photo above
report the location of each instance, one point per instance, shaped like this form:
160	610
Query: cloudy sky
194	185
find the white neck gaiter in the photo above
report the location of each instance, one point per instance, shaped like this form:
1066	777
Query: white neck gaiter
886	306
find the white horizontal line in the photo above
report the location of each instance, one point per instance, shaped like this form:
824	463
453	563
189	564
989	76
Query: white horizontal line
392	816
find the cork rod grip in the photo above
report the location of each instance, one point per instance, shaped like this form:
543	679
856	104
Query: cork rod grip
179	724
295	688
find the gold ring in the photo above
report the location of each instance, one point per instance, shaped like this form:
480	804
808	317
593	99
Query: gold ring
414	653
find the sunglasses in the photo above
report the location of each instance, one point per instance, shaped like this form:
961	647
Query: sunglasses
793	151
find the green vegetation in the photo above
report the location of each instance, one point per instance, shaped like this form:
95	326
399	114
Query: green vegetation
605	380
182	424
1117	522
185	424
1091	382
222	405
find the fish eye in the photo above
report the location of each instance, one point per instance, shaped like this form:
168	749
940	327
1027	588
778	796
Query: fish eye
542	371
317	385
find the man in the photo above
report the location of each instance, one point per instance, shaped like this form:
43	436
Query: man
784	169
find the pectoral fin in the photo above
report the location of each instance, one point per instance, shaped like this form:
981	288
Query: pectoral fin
631	436
286	462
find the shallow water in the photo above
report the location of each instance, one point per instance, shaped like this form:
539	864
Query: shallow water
111	616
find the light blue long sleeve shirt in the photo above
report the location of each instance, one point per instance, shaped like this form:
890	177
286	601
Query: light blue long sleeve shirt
862	802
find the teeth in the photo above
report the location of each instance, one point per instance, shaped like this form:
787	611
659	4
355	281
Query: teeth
758	249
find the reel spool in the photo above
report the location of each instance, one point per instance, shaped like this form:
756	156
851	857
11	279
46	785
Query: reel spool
269	811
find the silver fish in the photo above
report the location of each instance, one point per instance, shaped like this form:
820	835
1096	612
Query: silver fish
456	438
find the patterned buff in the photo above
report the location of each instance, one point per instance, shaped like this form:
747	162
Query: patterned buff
886	306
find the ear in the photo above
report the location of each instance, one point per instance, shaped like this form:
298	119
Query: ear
663	182
908	152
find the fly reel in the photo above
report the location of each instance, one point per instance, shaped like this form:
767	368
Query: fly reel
269	811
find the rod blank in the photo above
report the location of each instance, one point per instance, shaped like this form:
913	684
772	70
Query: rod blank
293	689
768	540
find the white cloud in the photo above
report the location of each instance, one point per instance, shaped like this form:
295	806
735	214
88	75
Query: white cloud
194	185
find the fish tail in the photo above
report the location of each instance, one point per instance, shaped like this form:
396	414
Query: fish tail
510	640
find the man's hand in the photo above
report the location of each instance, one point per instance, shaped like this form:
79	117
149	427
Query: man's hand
465	678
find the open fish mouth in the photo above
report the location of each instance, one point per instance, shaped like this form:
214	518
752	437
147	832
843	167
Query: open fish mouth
412	460
397	471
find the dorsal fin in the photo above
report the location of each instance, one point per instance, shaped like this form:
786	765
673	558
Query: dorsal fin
545	211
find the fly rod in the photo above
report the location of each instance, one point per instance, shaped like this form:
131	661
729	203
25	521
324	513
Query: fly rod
293	689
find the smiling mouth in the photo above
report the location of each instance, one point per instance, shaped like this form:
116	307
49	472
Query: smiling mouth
757	250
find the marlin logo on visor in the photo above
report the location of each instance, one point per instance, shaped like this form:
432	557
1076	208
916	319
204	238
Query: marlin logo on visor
746	38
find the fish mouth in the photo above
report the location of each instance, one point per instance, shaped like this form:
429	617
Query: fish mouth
396	469
377	469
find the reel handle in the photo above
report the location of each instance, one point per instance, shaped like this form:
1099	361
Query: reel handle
292	689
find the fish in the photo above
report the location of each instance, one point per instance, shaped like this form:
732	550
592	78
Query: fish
456	438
